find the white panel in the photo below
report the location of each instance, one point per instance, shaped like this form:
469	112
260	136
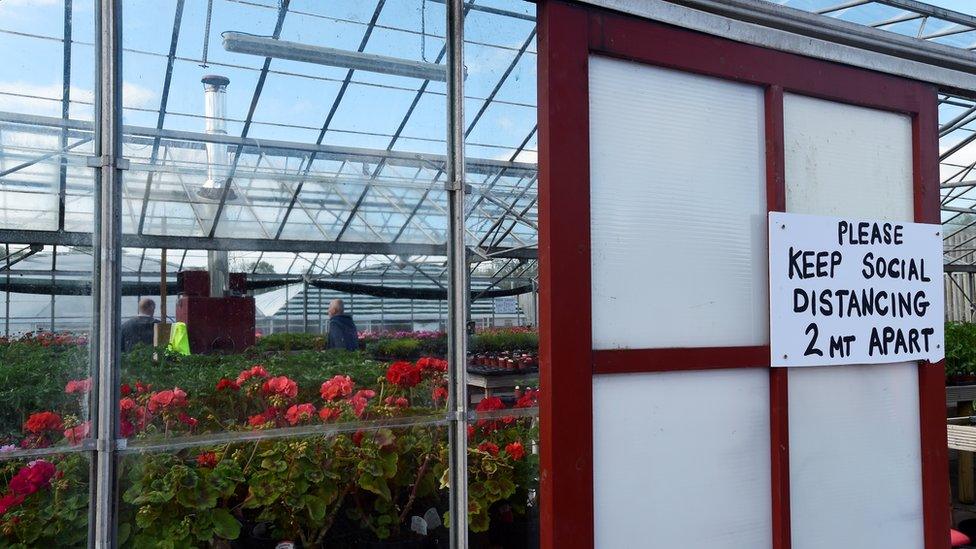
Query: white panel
681	459
843	160
855	475
855	472
678	202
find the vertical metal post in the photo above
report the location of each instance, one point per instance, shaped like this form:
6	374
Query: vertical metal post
287	307
106	240
305	307
54	267
6	296
457	298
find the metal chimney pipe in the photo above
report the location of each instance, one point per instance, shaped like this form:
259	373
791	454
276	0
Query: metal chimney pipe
215	111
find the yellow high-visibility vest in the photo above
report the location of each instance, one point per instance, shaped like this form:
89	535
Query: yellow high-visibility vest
179	339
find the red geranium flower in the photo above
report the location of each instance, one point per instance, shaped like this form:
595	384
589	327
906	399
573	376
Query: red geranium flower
360	400
77	433
263	418
528	399
9	501
125	390
168	398
257	371
337	387
134	418
357	438
227	385
207	459
515	450
188	420
280	386
430	365
396	402
439	393
32	477
299	413
403	374
488	446
328	414
489	404
78	386
43	421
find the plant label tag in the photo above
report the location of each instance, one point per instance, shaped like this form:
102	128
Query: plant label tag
418	525
432	518
854	291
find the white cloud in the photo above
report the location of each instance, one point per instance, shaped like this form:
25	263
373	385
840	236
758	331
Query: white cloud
45	99
134	95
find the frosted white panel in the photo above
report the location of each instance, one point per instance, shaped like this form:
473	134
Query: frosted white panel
855	475
678	209
845	160
681	460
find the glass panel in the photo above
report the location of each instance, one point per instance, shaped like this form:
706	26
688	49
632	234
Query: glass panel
501	220
46	132
358	487
45	501
300	208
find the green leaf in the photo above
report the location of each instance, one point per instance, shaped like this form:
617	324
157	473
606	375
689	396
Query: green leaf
225	525
315	506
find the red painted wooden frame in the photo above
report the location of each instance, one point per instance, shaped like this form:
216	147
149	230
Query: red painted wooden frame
568	34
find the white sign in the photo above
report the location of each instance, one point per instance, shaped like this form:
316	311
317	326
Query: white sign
506	305
850	291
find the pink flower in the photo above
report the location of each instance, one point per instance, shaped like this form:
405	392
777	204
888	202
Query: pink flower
78	386
299	413
169	398
77	433
337	387
280	386
396	402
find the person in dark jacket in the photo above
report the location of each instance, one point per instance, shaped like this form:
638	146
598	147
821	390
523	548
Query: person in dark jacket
342	330
139	329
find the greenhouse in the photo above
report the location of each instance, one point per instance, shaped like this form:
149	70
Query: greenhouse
488	273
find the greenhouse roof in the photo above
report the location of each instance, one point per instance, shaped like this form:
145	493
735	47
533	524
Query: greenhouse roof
328	162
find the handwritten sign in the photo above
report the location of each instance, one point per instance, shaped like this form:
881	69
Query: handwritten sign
854	291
